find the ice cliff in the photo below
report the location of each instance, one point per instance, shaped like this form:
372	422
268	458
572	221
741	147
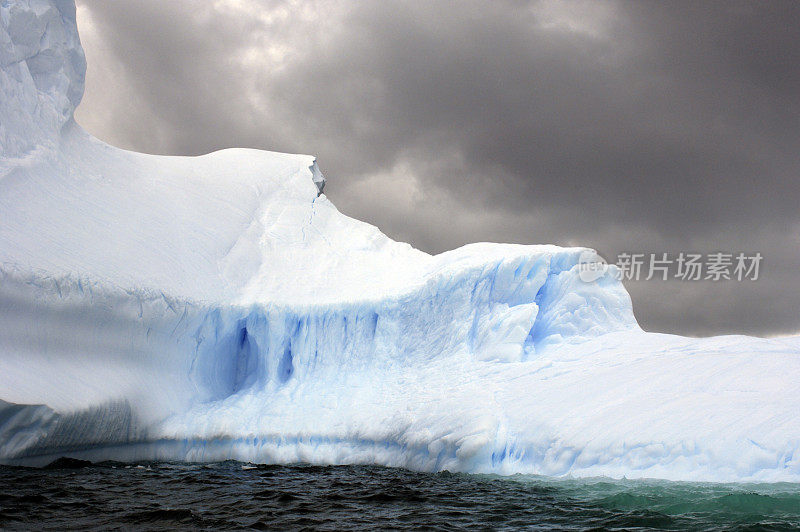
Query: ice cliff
214	307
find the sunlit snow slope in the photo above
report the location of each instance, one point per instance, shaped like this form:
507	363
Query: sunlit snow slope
214	307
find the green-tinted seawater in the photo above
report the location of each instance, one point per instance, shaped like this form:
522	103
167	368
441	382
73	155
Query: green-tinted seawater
702	504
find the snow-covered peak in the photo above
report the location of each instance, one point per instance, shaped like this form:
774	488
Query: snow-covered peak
42	69
235	227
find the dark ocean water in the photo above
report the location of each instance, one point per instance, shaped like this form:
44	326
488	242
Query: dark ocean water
235	495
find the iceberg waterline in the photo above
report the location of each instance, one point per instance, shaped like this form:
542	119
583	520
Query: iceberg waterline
214	307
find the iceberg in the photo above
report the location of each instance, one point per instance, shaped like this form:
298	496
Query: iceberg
220	307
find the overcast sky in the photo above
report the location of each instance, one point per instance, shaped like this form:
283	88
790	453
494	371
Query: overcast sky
623	126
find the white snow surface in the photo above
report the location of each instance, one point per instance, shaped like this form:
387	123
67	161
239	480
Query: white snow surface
216	307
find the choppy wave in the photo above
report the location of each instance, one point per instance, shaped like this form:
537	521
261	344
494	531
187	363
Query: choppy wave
242	495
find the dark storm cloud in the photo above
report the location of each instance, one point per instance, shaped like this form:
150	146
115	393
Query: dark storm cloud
648	126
